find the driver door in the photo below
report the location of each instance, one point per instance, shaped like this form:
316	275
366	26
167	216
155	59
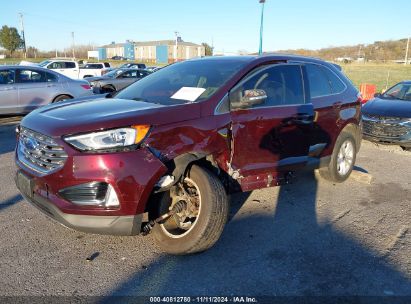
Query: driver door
272	137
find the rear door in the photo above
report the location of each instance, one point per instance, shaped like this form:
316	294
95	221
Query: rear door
325	90
34	90
8	92
272	138
126	79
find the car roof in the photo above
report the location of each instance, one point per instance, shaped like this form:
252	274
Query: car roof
32	67
265	58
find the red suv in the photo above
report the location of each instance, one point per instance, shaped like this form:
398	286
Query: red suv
162	154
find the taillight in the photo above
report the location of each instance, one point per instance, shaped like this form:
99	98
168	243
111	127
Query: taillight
360	98
86	86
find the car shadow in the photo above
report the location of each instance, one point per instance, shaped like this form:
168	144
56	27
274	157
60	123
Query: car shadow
287	252
10	202
7	138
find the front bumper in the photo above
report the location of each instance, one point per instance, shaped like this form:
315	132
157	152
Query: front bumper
111	225
387	131
131	174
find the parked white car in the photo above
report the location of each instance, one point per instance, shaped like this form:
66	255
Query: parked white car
71	68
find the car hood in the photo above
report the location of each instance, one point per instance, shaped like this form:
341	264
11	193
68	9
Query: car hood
388	108
84	115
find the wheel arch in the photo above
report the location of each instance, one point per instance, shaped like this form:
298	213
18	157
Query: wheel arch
356	130
63	94
177	168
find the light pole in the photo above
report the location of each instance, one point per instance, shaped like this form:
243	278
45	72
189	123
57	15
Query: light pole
260	50
176	47
72	44
406	51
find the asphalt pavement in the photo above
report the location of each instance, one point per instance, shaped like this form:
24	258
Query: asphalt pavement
308	238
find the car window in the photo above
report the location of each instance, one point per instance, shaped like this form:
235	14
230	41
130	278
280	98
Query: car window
162	87
336	83
129	74
318	81
30	76
93	66
282	84
400	91
106	64
69	65
51	77
7	76
56	65
143	73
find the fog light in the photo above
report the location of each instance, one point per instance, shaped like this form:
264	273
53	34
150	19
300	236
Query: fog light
91	194
111	199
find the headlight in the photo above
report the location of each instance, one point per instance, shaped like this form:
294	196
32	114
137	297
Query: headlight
116	139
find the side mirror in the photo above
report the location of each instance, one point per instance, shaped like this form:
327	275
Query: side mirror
249	99
377	95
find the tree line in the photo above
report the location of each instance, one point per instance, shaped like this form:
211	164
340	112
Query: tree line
378	51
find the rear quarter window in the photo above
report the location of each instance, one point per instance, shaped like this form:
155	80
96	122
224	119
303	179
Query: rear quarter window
70	65
337	85
318	81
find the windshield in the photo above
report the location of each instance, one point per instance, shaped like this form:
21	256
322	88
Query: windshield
188	81
400	91
113	73
44	63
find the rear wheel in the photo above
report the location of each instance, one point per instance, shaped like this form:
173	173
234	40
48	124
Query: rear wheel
200	225
108	89
61	98
342	159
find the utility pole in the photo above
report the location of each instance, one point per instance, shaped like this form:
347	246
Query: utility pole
22	34
72	44
260	49
175	50
406	51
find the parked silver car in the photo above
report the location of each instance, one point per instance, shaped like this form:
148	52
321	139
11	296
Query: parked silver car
25	88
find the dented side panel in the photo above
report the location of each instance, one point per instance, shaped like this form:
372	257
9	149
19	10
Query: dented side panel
267	141
203	136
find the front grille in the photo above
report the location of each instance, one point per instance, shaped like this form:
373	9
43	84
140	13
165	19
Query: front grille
384	129
384	118
40	152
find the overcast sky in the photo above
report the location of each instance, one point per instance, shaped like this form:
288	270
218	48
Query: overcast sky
231	25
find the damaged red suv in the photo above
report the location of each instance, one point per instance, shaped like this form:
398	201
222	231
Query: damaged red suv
162	155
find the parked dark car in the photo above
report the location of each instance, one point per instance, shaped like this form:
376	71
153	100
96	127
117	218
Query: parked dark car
173	144
133	65
118	58
387	117
116	80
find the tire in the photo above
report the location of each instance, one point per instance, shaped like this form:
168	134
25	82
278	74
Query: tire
336	171
108	89
209	223
61	98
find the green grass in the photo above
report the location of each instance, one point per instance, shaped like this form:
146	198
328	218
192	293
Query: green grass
377	74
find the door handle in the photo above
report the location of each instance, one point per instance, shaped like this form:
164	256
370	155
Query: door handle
9	88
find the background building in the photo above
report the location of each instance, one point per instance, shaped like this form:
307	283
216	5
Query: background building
161	51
